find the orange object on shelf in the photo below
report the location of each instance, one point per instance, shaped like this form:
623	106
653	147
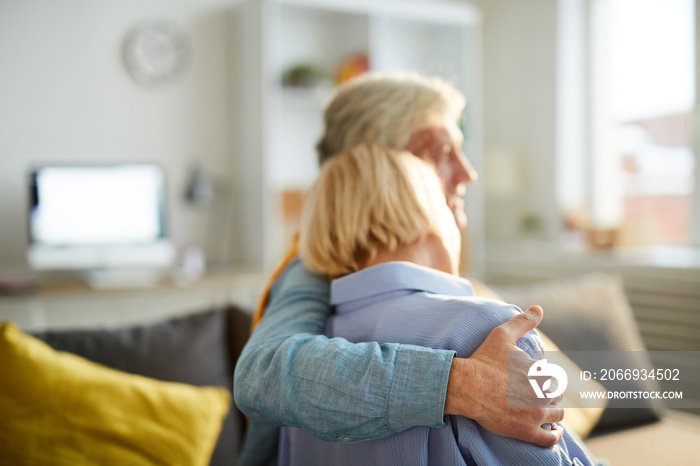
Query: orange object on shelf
351	67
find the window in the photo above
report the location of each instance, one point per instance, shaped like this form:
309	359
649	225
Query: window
652	95
627	92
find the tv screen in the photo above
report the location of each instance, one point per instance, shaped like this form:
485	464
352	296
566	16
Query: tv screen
98	216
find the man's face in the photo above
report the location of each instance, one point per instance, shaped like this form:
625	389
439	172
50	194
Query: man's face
442	145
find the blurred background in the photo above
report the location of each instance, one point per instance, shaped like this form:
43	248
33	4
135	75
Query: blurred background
580	113
579	116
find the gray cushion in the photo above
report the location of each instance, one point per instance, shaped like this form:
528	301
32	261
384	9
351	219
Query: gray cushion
193	349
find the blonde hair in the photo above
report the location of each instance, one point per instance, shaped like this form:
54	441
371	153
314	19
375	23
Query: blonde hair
367	200
385	109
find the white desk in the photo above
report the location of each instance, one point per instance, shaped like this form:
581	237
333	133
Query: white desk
74	305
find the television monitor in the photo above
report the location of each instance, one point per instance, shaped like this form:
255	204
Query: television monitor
108	220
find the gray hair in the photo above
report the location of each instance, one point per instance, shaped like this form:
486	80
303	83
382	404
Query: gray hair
385	109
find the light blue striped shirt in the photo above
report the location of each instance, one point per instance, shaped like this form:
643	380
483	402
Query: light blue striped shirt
405	303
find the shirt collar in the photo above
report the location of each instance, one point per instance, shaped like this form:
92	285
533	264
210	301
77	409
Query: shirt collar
393	276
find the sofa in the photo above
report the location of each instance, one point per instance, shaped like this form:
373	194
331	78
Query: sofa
200	350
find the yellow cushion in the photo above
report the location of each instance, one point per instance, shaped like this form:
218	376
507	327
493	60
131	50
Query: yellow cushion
580	415
60	409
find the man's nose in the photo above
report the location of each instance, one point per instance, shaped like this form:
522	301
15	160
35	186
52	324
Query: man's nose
463	171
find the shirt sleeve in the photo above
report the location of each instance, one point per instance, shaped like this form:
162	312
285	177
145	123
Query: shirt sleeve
290	374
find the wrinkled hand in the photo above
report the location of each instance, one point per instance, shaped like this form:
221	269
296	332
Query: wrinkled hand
478	387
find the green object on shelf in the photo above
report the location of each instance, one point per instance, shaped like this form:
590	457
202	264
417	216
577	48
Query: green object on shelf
304	75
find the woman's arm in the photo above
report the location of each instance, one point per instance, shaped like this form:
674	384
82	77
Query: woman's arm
290	374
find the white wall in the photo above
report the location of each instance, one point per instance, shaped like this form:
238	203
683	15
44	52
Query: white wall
520	68
65	96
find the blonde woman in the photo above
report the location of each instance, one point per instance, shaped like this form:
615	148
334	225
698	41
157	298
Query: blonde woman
377	223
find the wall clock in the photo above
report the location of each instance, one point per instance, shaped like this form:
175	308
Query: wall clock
156	53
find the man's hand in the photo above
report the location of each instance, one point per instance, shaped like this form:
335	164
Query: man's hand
478	387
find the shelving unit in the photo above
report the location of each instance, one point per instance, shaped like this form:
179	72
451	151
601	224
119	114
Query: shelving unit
276	128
